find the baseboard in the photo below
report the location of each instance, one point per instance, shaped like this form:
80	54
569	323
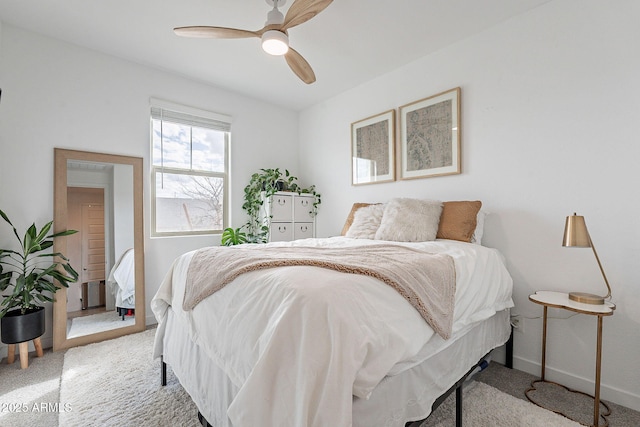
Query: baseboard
586	385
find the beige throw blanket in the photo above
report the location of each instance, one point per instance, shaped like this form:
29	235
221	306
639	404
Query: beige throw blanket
426	281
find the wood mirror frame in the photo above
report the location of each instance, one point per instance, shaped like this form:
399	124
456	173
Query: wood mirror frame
61	158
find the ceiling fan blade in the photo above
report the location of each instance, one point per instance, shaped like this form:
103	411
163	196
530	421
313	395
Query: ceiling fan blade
300	66
214	32
303	10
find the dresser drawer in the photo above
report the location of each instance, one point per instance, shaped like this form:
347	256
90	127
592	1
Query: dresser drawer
280	232
302	230
281	207
302	208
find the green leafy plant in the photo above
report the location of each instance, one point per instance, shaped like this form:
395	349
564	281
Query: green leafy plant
316	202
261	187
233	236
27	273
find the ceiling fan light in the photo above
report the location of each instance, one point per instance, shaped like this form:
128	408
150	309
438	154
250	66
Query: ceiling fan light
275	42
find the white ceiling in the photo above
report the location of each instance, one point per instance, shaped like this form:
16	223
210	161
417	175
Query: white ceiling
349	43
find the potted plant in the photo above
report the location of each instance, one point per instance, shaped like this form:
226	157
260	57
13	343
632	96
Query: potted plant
233	236
264	181
261	187
28	275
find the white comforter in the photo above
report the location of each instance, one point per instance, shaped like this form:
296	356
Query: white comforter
299	342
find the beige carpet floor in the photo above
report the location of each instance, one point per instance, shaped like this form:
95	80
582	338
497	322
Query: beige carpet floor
486	406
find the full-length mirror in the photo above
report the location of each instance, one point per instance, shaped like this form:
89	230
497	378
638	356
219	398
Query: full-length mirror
100	196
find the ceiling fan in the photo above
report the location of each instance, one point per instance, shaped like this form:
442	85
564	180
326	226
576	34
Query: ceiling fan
274	35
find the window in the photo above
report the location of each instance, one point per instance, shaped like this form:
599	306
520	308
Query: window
190	152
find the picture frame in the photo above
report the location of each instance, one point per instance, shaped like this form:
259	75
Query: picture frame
430	136
373	149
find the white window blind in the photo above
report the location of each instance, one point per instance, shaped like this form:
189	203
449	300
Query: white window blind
189	169
160	113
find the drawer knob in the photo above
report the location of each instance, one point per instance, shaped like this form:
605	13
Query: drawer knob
282	228
304	202
304	228
282	202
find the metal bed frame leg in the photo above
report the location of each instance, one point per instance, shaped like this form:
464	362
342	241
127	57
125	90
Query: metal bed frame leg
163	372
509	348
459	406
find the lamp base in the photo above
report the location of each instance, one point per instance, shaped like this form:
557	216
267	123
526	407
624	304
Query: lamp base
586	298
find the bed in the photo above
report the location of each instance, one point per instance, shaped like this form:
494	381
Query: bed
121	282
307	345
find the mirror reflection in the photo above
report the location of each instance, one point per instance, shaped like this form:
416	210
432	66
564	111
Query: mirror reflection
100	196
99	202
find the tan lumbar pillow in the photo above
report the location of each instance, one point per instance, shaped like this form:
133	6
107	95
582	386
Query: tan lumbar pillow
458	220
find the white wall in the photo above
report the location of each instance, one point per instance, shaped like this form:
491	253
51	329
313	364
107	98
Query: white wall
60	95
122	210
550	106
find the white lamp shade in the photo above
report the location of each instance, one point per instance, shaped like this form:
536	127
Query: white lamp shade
275	42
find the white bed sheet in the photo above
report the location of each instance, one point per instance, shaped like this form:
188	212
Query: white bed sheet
343	344
398	399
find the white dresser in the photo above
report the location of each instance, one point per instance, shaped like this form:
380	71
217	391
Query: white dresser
291	217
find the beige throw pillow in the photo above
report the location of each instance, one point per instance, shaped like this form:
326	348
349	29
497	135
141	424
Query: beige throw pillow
366	222
349	220
410	220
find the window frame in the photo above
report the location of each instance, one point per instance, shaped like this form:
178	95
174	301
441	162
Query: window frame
155	169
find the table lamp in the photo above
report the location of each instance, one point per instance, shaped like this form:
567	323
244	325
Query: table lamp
576	235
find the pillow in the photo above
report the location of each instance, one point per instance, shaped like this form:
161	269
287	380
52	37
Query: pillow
349	220
479	231
458	220
366	222
410	220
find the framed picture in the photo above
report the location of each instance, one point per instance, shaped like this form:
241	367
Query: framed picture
373	148
430	136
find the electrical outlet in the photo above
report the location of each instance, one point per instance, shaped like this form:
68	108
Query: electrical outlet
517	321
